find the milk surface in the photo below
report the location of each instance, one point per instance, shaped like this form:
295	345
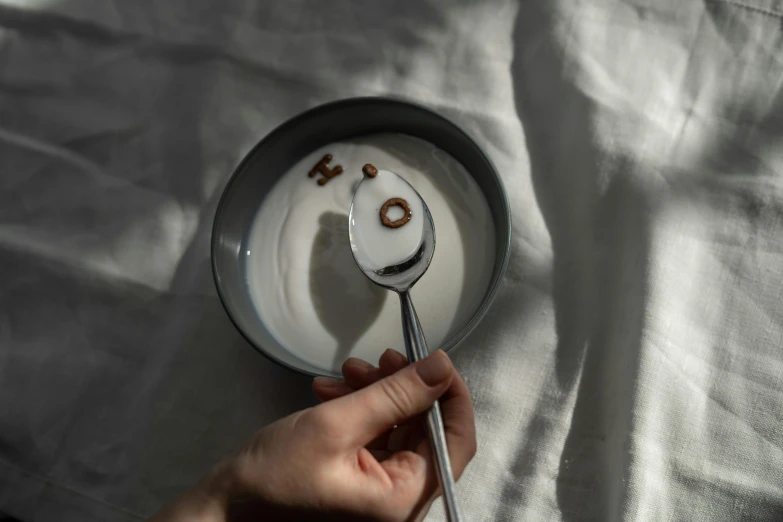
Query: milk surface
301	275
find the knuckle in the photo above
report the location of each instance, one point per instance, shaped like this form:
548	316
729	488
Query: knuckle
325	425
399	396
318	420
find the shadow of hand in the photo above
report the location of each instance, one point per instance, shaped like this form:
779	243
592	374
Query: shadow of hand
346	302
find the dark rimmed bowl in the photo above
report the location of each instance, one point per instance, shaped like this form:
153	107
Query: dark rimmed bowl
299	136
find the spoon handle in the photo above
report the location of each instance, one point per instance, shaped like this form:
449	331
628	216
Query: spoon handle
416	346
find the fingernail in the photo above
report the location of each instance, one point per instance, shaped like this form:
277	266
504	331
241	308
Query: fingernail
397	355
434	369
353	361
326	382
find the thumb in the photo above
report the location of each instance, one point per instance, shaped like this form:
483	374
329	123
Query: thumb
392	400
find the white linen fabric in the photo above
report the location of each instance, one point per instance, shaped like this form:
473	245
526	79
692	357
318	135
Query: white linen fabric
630	369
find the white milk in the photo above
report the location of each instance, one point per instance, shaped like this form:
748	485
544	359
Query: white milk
375	245
301	274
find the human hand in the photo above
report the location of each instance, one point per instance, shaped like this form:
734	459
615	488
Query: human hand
345	459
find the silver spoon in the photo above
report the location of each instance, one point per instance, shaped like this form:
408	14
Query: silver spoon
400	278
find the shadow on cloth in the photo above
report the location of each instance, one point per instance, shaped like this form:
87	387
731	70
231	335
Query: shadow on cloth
598	220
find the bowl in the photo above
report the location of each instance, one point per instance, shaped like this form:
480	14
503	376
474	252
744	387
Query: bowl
301	135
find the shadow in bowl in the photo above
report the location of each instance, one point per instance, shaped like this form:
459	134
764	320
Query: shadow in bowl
347	303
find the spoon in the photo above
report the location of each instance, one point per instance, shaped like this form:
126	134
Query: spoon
400	277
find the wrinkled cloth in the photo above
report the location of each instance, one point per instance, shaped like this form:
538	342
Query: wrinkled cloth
631	367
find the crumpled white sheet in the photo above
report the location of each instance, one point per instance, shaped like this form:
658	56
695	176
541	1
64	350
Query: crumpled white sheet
631	367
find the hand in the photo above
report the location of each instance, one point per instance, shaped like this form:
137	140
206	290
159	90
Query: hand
361	455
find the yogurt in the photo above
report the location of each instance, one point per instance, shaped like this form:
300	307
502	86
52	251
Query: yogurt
376	245
300	271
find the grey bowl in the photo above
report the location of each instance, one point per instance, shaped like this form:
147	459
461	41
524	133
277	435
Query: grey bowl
296	138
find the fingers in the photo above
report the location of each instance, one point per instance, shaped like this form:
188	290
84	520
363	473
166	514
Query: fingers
366	413
358	374
364	407
406	436
327	389
391	362
408	471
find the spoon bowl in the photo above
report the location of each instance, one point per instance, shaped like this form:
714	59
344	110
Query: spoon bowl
402	276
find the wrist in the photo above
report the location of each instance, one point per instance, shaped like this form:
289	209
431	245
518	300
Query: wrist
203	506
207	501
195	505
218	488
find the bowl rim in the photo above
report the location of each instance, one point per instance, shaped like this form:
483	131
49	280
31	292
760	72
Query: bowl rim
495	283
